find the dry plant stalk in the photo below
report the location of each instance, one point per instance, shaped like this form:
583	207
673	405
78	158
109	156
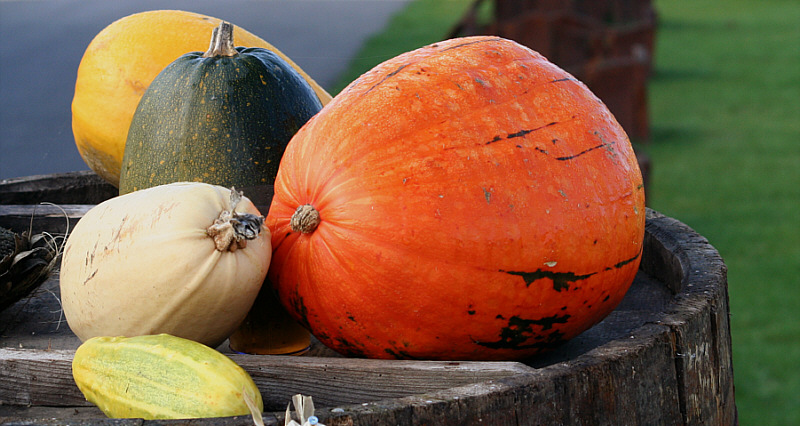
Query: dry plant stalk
26	261
304	408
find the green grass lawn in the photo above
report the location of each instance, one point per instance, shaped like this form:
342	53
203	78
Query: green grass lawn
725	120
421	23
725	116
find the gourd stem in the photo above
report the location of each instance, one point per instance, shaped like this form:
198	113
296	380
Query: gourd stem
221	41
231	230
305	219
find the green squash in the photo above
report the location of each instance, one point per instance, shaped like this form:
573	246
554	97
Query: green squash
222	117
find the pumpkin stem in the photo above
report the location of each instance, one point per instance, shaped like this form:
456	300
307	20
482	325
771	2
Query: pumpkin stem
221	42
305	219
231	230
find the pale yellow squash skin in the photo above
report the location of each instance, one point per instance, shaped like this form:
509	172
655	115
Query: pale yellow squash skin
143	263
118	66
161	377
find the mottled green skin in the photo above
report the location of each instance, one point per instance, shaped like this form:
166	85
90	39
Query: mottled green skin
224	120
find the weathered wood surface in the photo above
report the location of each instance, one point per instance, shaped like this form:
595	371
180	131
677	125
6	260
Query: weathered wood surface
663	357
50	202
44	378
82	187
54	218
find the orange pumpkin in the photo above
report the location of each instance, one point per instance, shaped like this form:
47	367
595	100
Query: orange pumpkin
466	200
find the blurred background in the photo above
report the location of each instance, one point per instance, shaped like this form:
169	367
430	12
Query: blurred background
707	90
43	42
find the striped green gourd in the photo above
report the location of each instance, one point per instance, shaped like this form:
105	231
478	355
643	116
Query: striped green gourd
222	117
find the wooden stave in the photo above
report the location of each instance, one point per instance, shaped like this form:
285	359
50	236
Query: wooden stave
674	356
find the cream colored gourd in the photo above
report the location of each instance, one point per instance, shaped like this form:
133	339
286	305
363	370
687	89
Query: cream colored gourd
162	377
151	262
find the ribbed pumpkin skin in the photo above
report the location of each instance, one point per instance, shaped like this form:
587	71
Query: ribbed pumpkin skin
161	377
118	66
476	202
221	120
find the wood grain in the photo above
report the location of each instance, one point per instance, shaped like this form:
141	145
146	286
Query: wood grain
82	187
37	218
663	357
44	377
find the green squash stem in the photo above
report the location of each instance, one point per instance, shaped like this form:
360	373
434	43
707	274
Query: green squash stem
221	42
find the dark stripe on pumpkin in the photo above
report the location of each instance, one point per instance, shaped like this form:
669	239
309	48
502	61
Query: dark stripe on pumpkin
399	354
456	46
386	77
278	244
572	157
624	262
561	280
400	68
524	132
301	309
627	261
519	330
520	133
348	349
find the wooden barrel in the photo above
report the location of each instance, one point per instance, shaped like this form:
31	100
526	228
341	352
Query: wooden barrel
663	357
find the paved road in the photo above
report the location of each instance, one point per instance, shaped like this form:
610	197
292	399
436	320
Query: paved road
42	41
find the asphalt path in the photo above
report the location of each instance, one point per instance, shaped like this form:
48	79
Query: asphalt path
42	42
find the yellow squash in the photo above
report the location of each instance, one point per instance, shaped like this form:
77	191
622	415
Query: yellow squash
119	65
162	377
